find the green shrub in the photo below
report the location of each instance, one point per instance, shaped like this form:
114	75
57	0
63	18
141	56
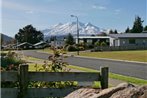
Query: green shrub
10	61
71	48
103	44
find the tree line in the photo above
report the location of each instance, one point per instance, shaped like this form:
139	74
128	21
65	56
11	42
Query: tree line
31	35
137	27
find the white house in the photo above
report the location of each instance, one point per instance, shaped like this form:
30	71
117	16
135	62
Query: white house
128	39
93	39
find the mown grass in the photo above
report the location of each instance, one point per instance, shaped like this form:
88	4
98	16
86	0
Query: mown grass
128	79
132	55
138	55
46	50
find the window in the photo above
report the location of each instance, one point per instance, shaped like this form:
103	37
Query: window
132	41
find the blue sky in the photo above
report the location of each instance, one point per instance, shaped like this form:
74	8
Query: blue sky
108	14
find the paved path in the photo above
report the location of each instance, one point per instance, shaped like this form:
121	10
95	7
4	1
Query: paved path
138	70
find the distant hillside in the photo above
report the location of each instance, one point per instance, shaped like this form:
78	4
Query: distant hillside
5	38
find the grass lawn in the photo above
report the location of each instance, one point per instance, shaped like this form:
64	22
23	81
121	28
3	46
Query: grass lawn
132	55
133	80
140	55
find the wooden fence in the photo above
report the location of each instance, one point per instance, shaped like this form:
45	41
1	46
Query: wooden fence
23	77
119	48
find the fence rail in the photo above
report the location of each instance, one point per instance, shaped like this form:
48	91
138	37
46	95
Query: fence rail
23	77
119	48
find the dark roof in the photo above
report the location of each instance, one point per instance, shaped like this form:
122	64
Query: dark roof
24	44
129	35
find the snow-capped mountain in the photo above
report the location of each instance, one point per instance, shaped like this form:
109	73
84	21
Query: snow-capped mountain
64	29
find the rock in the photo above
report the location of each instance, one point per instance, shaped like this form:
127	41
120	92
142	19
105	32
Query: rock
123	90
83	93
106	93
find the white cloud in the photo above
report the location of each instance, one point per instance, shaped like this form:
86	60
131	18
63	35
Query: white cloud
29	11
14	6
117	11
99	7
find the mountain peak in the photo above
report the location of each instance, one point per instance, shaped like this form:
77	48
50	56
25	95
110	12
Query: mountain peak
63	29
88	24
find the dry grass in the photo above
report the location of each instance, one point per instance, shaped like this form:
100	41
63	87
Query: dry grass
140	56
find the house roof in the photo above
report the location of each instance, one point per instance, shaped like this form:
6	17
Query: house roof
129	35
24	44
41	42
92	37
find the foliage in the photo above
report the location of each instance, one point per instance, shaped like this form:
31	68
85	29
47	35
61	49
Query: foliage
69	40
137	26
113	32
53	38
82	46
29	34
103	43
71	48
10	61
127	30
57	65
97	43
145	28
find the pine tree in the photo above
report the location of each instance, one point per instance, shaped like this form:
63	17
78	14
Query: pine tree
127	30
115	32
145	28
137	27
111	32
69	39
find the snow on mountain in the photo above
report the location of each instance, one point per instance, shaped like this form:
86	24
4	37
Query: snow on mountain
63	29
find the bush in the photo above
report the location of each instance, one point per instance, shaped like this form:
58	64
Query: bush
71	48
81	48
103	44
10	61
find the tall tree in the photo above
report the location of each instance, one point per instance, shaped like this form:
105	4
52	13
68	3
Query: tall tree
29	34
111	32
127	30
145	28
137	26
69	39
115	32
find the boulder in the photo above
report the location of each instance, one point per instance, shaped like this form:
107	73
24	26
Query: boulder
123	90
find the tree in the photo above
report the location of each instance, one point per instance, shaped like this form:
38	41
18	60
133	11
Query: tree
111	32
127	30
115	32
69	39
145	28
137	26
29	34
53	38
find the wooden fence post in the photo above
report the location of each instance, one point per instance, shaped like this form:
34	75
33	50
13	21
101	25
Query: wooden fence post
23	80
104	77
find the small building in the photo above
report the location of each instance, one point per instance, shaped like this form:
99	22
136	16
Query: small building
93	39
40	45
128	39
25	45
